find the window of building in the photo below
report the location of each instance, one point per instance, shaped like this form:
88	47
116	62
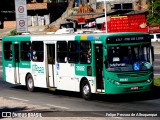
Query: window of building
127	6
25	50
7	50
124	6
37	51
73	51
85	52
117	6
62	51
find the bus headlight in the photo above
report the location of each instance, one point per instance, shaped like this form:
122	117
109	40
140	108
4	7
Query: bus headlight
148	80
114	82
110	80
117	83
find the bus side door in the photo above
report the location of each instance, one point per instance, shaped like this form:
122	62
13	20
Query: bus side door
16	61
99	66
50	65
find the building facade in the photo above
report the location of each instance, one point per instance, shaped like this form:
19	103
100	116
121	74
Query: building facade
136	5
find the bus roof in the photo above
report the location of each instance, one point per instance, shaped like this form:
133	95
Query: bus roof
52	37
16	38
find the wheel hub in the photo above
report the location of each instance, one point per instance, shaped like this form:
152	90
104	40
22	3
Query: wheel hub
30	83
86	89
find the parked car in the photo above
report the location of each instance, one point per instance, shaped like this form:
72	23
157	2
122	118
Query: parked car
155	37
68	25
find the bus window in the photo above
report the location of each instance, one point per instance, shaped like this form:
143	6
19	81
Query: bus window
61	51
126	57
8	50
73	51
25	48
85	52
38	52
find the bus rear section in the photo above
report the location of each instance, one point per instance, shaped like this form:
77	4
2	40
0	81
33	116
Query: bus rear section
16	64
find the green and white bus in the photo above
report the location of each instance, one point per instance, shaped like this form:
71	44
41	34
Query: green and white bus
112	63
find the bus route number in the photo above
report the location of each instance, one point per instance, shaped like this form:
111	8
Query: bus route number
80	68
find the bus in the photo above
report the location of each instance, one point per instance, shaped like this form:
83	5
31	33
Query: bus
102	63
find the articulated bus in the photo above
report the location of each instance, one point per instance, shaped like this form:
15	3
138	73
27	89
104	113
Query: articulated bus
102	63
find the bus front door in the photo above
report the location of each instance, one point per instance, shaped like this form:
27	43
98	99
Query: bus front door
16	63
50	65
99	66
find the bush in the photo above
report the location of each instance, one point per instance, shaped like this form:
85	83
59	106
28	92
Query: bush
157	82
13	32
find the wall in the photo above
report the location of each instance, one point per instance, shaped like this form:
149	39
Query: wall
9	24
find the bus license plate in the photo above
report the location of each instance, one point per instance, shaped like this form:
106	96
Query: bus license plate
134	88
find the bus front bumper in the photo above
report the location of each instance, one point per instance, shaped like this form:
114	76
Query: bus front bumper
111	88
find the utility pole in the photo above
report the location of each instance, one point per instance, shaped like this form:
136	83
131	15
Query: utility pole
105	13
152	7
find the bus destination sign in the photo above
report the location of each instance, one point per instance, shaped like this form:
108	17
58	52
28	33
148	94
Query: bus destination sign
128	39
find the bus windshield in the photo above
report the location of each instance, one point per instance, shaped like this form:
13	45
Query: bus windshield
129	58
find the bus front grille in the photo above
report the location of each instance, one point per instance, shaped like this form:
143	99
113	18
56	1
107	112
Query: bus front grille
133	74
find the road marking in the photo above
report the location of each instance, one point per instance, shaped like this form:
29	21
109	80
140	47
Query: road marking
57	106
18	99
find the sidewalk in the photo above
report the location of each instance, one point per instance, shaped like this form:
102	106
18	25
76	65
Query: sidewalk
31	29
4	32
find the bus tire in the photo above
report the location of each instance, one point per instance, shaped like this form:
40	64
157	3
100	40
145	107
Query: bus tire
86	90
30	83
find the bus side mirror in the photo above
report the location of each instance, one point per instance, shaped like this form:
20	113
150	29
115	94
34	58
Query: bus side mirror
152	52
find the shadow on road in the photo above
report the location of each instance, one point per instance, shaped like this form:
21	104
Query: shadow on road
45	90
155	94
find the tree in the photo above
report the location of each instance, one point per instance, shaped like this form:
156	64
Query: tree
153	17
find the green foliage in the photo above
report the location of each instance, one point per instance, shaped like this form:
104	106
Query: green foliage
153	17
157	81
13	32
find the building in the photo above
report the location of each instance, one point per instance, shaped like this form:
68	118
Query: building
136	5
40	12
44	12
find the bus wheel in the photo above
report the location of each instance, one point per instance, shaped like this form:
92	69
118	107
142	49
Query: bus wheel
86	90
30	83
